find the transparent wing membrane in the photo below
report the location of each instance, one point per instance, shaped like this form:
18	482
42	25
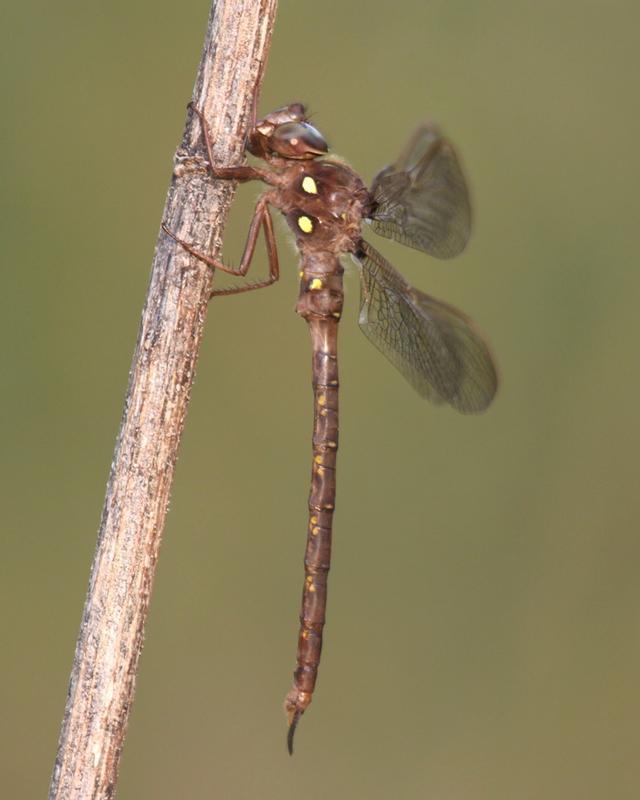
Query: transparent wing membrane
435	346
422	200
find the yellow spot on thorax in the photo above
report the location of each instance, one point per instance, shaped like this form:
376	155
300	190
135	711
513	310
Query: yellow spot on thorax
309	185
316	284
305	224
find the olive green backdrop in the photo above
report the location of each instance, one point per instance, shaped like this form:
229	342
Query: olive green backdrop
483	637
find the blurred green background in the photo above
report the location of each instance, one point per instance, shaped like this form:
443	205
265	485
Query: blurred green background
483	636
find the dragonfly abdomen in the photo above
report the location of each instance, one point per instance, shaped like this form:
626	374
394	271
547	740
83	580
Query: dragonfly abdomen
322	315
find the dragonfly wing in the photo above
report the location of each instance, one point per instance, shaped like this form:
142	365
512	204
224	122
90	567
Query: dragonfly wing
435	346
422	200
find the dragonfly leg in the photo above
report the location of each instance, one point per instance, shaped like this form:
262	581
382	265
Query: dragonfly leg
242	172
261	217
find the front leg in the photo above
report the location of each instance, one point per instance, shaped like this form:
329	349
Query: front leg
242	172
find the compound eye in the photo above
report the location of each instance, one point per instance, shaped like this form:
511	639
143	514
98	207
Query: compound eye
298	140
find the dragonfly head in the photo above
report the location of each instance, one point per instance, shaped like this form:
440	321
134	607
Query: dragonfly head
285	133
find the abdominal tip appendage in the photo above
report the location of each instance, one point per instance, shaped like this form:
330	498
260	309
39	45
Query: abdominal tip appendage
295	704
293	724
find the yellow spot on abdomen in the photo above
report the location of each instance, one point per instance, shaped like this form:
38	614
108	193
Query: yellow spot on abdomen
309	185
305	224
322	399
315	285
318	459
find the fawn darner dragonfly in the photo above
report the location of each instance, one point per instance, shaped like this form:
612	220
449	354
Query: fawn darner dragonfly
420	201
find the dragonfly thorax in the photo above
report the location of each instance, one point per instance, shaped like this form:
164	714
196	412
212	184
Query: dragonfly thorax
324	203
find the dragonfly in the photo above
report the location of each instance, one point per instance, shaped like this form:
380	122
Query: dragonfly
422	201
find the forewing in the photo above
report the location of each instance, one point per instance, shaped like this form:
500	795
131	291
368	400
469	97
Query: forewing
422	200
435	346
